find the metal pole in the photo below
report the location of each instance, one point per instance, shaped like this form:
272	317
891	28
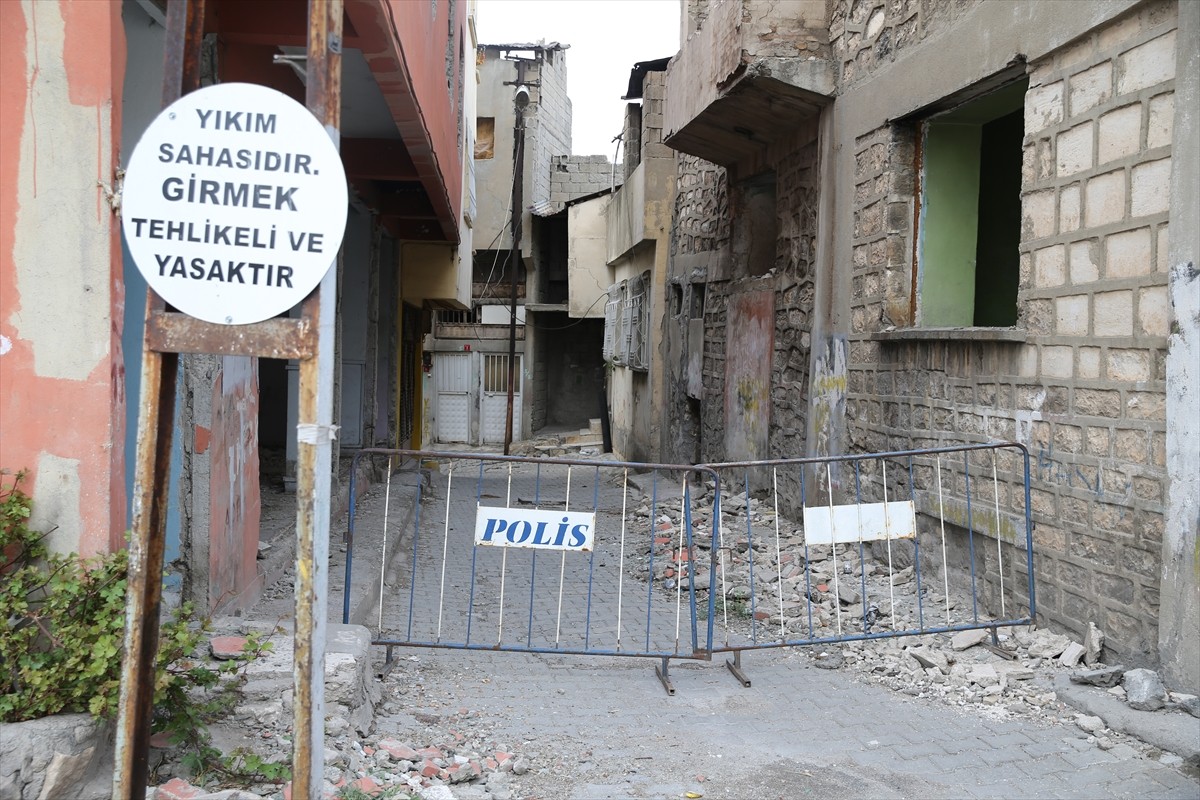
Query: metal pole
156	421
515	258
315	433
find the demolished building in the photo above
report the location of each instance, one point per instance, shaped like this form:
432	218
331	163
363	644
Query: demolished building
908	224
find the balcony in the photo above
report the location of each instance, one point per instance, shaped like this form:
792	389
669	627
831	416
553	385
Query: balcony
750	72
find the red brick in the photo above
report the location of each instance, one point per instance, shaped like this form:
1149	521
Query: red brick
177	789
428	769
227	647
367	786
398	750
431	752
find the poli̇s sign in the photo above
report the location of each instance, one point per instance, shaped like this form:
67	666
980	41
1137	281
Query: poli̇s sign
234	204
543	530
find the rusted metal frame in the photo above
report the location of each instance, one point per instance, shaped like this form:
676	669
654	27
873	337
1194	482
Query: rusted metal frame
315	433
185	32
172	332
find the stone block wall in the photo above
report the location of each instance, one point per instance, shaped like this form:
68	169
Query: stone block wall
548	128
1085	391
869	35
580	176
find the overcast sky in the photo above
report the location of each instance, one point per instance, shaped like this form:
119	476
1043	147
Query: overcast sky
607	38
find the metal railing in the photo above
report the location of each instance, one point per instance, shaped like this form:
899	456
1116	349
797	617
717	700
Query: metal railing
858	547
493	555
780	553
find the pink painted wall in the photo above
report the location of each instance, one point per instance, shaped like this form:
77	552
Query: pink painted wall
62	400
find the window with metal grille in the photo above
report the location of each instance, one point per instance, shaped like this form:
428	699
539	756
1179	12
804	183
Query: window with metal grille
613	318
637	333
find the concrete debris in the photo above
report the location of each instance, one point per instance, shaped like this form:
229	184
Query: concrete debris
1144	690
1047	645
1093	643
1089	723
1072	655
964	639
1103	677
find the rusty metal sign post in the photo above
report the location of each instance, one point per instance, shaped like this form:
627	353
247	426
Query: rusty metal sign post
308	338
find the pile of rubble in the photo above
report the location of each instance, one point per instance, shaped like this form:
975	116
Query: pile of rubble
772	587
377	765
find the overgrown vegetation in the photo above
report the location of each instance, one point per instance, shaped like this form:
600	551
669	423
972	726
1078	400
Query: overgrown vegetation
61	629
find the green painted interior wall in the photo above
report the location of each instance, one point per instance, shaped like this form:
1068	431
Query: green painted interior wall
949	227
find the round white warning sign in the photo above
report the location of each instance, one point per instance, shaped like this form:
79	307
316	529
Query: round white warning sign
234	204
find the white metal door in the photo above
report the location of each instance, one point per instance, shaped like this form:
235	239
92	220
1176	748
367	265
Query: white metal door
452	385
494	398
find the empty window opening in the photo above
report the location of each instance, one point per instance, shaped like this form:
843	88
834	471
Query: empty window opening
970	212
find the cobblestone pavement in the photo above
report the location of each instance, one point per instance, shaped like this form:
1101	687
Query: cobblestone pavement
597	726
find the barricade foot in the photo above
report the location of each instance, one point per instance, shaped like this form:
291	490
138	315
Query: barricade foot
735	667
664	676
388	663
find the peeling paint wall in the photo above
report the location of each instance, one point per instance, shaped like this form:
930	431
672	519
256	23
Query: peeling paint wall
61	293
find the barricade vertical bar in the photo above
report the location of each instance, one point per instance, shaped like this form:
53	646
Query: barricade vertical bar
942	520
416	546
714	547
621	571
503	558
724	587
679	562
999	549
348	540
587	620
778	556
971	535
862	559
387	507
887	530
1029	539
837	594
808	602
750	557
687	523
653	536
475	556
562	568
912	496
537	503
445	548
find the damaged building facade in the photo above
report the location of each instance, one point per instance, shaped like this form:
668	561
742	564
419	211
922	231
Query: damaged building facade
909	224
